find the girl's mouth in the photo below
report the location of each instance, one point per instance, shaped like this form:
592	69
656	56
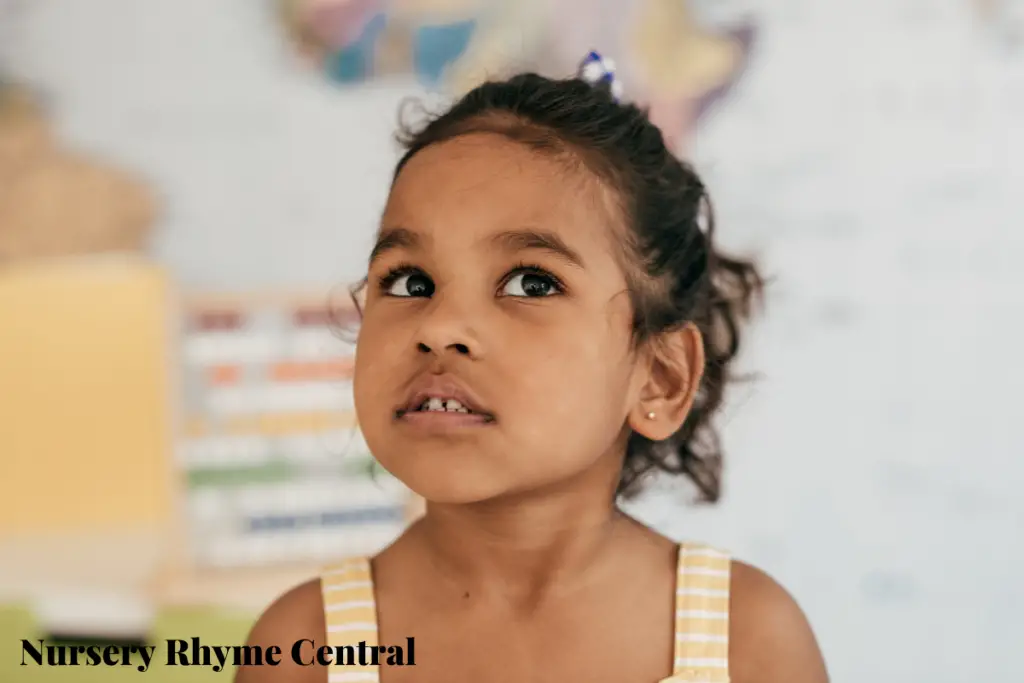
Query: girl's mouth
441	410
442	402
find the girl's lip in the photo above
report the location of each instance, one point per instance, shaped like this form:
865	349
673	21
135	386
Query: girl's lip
435	419
443	387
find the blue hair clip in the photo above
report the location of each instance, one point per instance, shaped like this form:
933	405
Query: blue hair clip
595	70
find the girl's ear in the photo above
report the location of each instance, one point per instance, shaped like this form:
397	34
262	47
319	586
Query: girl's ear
676	367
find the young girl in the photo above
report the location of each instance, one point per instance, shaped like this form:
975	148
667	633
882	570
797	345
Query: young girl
546	321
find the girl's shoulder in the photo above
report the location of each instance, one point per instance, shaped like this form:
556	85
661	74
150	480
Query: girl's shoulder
295	615
769	634
299	614
723	599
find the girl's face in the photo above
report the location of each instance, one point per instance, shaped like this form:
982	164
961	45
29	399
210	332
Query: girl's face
495	282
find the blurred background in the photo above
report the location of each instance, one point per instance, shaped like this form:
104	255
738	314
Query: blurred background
188	187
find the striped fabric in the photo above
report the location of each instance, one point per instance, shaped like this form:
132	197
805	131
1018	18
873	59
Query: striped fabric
702	616
351	616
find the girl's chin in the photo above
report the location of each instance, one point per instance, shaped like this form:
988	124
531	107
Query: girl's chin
443	487
445	493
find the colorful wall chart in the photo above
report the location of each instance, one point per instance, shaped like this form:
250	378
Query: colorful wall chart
274	466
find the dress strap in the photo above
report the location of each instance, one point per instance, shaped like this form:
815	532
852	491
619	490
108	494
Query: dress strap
350	612
702	614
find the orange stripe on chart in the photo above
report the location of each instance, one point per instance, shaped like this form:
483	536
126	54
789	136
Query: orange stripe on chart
223	374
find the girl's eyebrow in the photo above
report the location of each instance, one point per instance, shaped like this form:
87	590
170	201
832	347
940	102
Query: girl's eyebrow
521	240
394	238
509	240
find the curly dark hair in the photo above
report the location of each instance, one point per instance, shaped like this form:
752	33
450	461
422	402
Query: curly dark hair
675	274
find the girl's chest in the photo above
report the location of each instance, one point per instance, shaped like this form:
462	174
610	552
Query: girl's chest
573	646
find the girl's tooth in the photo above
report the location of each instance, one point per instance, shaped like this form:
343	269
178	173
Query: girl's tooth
443	406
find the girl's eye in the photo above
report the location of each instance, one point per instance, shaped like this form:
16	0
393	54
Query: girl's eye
531	284
408	284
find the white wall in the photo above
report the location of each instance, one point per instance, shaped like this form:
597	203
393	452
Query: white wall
871	156
270	177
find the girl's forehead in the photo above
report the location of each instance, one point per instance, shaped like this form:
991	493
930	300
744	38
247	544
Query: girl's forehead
486	181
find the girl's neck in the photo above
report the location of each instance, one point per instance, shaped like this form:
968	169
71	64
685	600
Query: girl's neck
520	550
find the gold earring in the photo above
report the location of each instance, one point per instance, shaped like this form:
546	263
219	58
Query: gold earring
650	415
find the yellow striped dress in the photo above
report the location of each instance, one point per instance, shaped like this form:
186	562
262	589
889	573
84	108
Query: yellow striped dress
701	630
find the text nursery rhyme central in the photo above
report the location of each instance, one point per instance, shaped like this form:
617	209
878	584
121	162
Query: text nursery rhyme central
192	652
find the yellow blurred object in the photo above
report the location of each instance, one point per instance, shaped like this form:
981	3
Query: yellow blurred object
85	405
